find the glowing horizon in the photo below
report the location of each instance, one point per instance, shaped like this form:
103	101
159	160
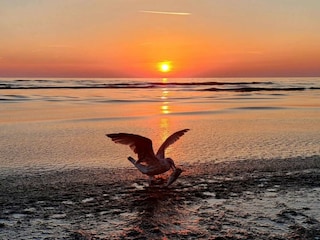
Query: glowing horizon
166	13
126	39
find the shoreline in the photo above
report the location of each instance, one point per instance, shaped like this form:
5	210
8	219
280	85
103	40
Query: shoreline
249	199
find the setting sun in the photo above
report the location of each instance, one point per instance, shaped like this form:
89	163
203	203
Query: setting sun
164	67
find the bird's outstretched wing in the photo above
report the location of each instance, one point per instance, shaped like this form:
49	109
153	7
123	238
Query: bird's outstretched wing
140	145
170	140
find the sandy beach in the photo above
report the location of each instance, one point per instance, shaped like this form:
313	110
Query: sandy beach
256	199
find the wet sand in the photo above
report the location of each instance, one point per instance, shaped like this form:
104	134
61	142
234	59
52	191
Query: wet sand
250	199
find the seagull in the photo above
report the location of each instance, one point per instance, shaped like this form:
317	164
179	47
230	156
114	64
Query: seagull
148	162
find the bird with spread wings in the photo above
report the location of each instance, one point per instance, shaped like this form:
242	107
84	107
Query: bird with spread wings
148	162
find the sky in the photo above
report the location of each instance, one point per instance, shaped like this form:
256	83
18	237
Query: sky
129	38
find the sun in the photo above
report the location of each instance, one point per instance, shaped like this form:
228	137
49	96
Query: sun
164	67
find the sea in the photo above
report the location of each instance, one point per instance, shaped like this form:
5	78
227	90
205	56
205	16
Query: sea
60	123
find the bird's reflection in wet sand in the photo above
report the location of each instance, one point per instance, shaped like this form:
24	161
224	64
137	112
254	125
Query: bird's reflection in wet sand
159	210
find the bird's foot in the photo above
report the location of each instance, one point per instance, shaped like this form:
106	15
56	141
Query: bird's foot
157	181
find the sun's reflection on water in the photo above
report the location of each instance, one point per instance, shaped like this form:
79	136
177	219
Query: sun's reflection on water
164	126
165	108
165	93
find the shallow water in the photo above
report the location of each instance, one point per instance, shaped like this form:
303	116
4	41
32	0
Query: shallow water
61	123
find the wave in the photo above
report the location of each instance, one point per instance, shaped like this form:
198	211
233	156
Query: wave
214	86
256	89
46	84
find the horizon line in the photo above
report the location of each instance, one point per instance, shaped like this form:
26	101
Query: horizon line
166	12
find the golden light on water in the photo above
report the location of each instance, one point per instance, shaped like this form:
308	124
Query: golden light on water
164	95
164	126
165	109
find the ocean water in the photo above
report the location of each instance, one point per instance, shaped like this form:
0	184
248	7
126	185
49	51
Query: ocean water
61	123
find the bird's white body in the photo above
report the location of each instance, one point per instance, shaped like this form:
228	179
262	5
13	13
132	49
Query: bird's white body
162	166
149	163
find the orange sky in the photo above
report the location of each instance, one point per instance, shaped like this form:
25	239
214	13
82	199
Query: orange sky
128	38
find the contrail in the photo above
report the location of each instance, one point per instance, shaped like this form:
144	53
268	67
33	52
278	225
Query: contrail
166	13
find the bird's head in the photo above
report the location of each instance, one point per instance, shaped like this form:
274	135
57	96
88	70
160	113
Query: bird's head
171	162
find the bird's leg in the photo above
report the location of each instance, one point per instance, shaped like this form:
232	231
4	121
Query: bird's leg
151	180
